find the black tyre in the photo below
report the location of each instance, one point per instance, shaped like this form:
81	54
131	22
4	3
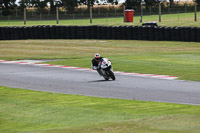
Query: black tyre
106	78
111	74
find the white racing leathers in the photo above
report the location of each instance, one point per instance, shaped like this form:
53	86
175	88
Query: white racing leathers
105	69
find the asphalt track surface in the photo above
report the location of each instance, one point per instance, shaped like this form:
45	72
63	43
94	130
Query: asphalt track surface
88	83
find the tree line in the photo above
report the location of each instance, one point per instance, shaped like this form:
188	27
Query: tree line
7	6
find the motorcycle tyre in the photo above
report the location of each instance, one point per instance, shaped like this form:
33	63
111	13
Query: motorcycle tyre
106	78
111	74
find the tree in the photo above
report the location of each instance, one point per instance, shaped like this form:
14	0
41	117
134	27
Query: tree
40	5
89	3
7	6
113	2
171	3
136	3
53	4
197	1
22	4
151	2
132	3
69	4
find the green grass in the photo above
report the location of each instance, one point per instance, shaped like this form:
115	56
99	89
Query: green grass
25	110
181	19
180	59
33	111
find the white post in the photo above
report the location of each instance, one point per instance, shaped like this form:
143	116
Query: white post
40	18
24	16
16	13
195	12
57	15
48	12
124	14
141	12
160	12
90	15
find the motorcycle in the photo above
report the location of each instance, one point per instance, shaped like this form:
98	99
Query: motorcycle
106	69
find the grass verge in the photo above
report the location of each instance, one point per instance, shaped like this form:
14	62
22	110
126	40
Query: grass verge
181	59
180	19
25	110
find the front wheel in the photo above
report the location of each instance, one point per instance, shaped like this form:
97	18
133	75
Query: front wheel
106	78
111	74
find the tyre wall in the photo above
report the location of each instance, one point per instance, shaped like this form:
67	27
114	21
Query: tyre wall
190	34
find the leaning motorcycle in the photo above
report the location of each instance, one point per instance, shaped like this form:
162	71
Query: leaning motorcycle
106	69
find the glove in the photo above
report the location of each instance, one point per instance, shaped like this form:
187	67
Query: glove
94	67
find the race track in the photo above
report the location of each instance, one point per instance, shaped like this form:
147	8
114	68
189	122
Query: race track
89	83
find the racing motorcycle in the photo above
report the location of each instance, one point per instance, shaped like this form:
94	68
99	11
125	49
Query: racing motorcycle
106	69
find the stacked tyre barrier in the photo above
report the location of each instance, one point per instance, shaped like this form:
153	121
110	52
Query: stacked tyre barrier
152	33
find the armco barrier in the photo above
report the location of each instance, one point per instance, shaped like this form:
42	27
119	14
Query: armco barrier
156	33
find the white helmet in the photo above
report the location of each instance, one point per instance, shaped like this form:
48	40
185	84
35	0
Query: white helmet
97	56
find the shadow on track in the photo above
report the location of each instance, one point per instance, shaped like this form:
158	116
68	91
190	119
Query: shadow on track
99	81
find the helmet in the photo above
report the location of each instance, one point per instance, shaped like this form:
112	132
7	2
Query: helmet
97	56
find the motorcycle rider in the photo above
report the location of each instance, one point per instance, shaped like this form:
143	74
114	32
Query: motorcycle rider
95	62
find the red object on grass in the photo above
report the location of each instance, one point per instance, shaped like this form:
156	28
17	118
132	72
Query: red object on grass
129	14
